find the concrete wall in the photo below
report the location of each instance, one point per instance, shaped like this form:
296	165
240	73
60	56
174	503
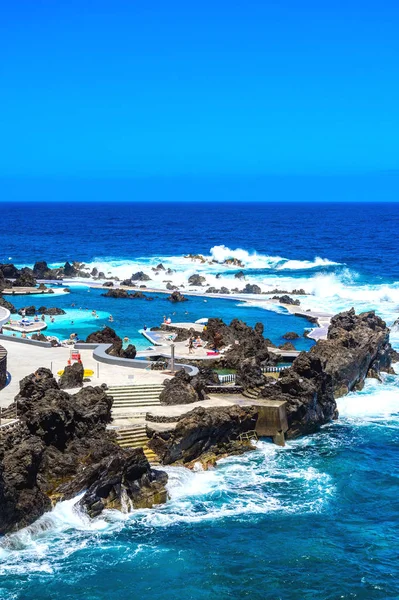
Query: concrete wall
3	367
4	315
19	340
100	354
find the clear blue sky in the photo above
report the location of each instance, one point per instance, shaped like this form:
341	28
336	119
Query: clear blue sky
127	89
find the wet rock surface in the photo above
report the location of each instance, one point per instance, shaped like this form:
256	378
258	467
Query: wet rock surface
62	448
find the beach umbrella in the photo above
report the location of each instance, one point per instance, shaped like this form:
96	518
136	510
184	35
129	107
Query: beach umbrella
202	321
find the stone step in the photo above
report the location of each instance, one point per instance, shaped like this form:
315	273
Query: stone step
136	390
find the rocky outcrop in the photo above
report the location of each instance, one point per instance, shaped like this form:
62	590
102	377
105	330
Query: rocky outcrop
72	376
9	271
6	304
240	275
251	288
286	300
177	297
204	434
140	276
62	448
290	335
287	346
356	346
213	290
178	390
41	270
107	335
121	293
234	262
42	310
243	342
196	279
25	278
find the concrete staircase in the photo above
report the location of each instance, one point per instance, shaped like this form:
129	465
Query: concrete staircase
127	397
136	437
251	393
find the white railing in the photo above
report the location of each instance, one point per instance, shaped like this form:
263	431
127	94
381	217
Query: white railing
231	377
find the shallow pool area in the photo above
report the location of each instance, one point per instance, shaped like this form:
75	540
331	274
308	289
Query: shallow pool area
131	315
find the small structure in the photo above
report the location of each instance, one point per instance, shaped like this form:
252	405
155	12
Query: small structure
272	420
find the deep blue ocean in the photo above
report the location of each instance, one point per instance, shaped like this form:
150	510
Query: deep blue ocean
317	519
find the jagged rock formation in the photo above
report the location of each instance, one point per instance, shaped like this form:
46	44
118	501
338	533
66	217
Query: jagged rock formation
196	279
109	336
120	293
356	346
244	342
140	276
290	335
213	290
251	288
178	390
286	300
30	311
41	270
6	304
177	297
62	448
213	431
72	377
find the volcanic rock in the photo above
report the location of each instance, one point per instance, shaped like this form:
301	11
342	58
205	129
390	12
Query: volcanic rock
251	288
214	431
290	335
61	448
356	345
72	376
196	279
177	297
286	300
140	276
178	390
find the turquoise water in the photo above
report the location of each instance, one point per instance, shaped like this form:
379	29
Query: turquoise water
131	315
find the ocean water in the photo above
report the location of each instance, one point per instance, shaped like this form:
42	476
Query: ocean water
317	519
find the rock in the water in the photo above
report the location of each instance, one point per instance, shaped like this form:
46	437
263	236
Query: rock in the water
356	345
196	279
287	300
251	288
140	276
177	297
72	376
291	335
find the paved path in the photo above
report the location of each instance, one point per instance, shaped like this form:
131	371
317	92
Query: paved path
23	360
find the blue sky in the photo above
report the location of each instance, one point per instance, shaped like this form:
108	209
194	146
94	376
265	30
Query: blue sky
141	89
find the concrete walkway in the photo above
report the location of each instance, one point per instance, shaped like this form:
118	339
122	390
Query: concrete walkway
23	360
